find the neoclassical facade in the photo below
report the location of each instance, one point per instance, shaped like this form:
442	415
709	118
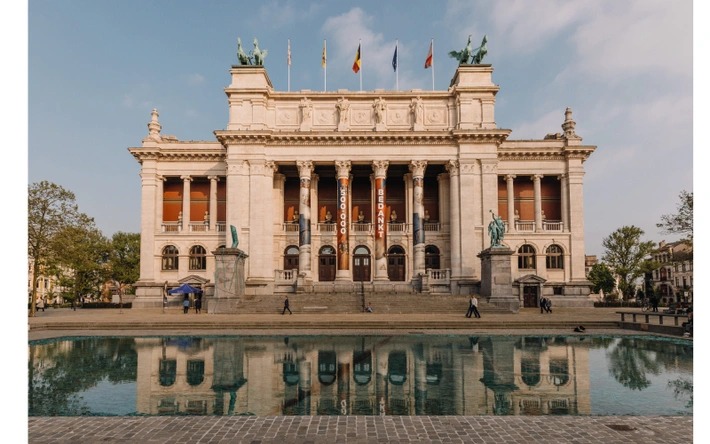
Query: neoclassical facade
374	190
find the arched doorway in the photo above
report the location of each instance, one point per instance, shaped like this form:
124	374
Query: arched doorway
291	258
326	264
396	263
361	264
432	257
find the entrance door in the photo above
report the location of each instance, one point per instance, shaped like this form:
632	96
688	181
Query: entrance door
361	264
395	264
530	296
326	264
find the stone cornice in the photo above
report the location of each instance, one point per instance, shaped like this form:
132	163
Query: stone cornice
186	154
351	138
545	153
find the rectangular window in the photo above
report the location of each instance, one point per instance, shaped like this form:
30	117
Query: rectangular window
557	290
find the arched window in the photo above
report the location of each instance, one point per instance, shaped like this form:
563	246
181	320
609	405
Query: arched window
432	257
526	257
554	258
198	258
170	258
291	258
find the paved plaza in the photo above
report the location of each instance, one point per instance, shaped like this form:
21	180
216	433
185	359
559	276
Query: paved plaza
341	429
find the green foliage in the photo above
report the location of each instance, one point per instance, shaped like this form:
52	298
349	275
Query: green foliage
681	222
601	278
81	251
124	257
50	210
626	256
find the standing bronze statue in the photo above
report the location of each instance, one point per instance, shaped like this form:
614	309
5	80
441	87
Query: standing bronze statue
235	238
496	230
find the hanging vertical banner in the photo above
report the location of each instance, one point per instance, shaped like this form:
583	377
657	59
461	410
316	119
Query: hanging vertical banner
304	216
418	221
380	225
343	224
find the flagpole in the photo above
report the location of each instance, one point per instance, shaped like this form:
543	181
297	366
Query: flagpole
396	71
432	64
359	45
288	62
324	62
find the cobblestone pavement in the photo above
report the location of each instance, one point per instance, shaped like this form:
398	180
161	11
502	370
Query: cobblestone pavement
341	429
363	429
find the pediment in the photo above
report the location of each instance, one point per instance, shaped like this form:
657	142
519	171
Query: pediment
530	279
193	279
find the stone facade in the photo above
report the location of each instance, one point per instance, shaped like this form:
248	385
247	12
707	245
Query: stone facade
380	191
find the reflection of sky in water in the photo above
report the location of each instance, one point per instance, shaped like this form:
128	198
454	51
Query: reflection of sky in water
107	398
609	397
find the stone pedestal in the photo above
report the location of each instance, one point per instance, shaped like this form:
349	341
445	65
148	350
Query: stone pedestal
496	278
229	280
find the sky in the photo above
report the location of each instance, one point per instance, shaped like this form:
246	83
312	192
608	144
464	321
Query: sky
97	68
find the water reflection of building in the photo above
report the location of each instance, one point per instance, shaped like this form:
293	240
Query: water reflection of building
363	376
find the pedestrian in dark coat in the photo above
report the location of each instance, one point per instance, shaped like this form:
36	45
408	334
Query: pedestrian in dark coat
198	304
286	307
548	305
543	305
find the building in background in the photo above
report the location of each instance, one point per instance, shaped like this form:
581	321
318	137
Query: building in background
673	280
378	191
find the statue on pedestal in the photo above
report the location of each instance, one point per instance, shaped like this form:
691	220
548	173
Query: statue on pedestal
496	230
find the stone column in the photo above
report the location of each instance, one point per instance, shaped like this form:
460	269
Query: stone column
444	192
380	169
213	202
159	181
343	272
417	168
305	170
511	202
564	201
185	202
452	166
279	188
149	185
538	202
576	215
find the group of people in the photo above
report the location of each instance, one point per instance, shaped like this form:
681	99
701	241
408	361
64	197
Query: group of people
545	305
186	304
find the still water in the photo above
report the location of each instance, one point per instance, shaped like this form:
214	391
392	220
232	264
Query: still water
361	375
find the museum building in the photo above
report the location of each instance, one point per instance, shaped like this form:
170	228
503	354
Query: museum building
374	191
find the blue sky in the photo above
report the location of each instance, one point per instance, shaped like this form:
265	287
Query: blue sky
97	68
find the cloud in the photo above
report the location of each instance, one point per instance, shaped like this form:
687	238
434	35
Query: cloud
278	14
195	79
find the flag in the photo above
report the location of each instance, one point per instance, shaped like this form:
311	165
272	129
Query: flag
323	59
394	59
356	63
430	57
288	53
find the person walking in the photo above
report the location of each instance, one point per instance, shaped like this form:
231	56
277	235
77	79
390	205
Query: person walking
543	305
40	304
286	307
474	306
186	304
548	305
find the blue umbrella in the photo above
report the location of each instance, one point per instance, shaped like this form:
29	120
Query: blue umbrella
184	289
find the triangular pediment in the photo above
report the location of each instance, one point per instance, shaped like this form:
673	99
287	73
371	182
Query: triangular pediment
530	279
193	279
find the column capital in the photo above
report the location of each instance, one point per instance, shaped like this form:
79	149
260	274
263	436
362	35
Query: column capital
537	177
417	167
343	167
452	166
270	165
305	168
186	178
510	177
562	176
213	178
380	167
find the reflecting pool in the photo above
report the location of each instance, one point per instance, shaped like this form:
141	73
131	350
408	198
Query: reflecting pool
361	375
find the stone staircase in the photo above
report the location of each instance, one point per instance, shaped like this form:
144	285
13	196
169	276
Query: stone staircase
353	303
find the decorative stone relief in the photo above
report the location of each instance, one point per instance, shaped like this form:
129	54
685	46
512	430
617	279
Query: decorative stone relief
286	116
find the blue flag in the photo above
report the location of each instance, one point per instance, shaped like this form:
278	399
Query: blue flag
394	59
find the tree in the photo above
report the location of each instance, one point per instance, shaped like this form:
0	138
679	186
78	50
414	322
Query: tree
51	209
124	257
601	278
681	222
625	254
82	253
